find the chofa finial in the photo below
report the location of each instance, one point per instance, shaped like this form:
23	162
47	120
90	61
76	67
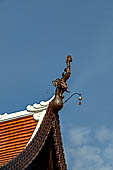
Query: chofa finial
61	87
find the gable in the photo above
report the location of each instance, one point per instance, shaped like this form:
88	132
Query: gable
46	159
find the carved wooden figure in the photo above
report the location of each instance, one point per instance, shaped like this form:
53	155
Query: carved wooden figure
61	86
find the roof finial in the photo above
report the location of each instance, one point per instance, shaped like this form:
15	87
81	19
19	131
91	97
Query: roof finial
61	86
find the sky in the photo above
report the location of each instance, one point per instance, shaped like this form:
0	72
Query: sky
35	38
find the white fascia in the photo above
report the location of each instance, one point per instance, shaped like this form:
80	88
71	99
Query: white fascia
36	110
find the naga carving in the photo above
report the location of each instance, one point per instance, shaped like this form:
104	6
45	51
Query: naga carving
61	86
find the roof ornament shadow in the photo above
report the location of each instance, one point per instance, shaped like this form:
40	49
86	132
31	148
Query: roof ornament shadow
61	87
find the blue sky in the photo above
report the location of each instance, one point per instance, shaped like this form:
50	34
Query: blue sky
35	37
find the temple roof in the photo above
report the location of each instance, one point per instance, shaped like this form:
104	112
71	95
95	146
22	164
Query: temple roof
23	135
31	139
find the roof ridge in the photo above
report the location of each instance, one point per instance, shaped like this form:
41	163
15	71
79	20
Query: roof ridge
30	110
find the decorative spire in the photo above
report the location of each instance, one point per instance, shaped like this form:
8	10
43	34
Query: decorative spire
60	84
61	87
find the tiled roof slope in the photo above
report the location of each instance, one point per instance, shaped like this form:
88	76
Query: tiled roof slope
18	129
14	136
25	158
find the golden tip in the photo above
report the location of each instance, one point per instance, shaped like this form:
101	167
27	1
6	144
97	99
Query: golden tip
80	98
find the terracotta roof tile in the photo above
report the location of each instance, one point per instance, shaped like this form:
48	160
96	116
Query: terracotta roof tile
14	136
23	136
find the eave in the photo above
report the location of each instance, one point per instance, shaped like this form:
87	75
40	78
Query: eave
32	148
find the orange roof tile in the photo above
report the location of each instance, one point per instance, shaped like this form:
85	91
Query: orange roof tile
18	129
14	136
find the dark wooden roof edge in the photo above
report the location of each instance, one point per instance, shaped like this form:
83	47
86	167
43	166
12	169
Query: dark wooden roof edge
25	158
